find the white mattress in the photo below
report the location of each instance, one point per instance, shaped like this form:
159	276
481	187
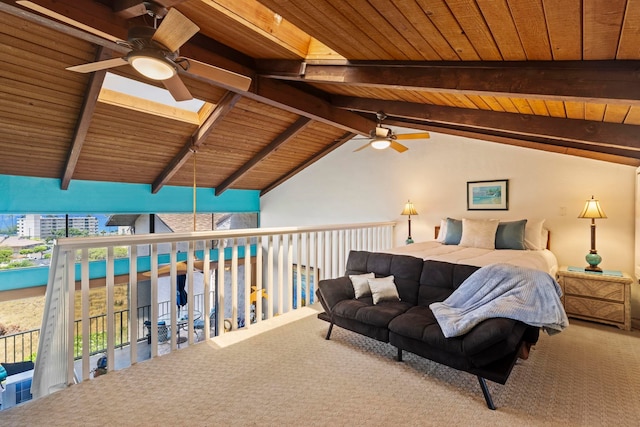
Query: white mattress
543	260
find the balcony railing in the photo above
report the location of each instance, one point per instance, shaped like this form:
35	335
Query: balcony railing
249	276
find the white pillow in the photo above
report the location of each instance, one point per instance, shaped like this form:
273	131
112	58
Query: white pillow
361	284
442	233
383	289
479	233
533	235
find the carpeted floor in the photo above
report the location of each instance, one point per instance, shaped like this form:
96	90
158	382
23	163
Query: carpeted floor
589	375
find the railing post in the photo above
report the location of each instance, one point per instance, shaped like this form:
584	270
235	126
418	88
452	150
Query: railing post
110	315
86	322
133	304
173	274
70	302
220	308
207	289
259	279
153	312
234	284
280	267
248	282
190	297
270	277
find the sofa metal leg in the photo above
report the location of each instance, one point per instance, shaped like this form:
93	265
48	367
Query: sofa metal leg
399	358
485	391
329	331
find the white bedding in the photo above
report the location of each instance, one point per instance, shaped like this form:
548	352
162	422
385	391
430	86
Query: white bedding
543	260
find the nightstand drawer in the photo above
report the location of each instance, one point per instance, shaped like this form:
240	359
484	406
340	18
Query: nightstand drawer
594	288
594	308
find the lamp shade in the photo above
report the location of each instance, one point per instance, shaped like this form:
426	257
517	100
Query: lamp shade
592	209
409	209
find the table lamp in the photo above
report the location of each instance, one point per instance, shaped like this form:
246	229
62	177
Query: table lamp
409	210
593	210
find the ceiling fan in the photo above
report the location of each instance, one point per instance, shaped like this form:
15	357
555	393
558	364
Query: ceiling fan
382	137
154	52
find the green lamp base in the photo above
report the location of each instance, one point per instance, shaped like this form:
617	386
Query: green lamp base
593	259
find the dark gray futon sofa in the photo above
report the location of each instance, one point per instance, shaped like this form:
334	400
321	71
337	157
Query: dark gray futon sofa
489	350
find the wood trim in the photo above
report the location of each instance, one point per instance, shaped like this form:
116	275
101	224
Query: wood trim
609	138
84	120
223	108
301	124
343	139
594	81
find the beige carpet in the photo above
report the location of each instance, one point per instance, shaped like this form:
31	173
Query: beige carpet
588	375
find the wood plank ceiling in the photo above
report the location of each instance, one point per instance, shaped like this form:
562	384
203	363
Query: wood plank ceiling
549	75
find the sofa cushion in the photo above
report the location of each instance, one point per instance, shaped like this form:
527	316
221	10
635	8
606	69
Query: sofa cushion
364	311
406	270
383	289
487	342
419	323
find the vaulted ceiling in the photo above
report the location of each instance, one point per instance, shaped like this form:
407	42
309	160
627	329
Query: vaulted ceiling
560	76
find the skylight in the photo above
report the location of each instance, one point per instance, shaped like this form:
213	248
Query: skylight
146	91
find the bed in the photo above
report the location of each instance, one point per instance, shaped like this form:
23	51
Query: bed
523	243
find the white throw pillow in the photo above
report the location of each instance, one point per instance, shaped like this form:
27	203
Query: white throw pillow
361	284
479	233
442	233
383	289
533	235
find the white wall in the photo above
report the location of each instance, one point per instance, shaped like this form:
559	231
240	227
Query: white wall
373	185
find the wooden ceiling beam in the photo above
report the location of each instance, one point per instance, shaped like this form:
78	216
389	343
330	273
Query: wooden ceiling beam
518	141
337	143
294	100
84	120
584	81
224	106
598	136
301	124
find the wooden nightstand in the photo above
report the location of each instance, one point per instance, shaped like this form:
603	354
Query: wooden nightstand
597	297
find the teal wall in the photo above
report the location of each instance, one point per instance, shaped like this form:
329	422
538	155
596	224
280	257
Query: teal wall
21	195
21	278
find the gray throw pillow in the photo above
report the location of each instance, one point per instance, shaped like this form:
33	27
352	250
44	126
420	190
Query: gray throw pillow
383	289
361	284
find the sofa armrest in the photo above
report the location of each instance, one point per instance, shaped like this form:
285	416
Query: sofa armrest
332	291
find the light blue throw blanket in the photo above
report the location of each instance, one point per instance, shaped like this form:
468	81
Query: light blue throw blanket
502	290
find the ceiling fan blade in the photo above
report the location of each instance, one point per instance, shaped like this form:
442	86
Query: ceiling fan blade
55	15
398	147
363	147
97	66
174	30
420	135
219	75
178	90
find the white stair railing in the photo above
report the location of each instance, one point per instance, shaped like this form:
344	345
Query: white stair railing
266	256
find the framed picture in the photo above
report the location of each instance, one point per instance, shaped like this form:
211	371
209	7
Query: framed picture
303	285
488	195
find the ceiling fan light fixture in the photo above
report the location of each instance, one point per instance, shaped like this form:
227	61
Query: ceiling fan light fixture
152	65
380	143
